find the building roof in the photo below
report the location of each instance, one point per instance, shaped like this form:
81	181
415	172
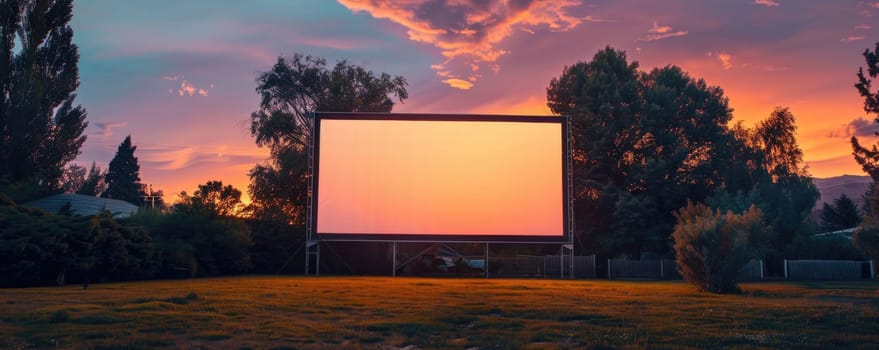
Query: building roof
83	205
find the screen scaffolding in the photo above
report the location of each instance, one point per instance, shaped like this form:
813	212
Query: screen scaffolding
440	178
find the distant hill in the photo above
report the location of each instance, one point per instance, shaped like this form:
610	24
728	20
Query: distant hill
853	186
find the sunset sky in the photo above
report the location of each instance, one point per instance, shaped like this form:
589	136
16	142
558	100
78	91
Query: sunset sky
179	75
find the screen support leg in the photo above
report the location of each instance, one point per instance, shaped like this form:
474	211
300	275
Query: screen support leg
567	251
312	248
485	263
394	253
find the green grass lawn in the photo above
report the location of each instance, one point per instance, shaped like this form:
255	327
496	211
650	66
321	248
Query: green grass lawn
388	313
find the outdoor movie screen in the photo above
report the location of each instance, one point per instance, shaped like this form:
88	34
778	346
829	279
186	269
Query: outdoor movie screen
399	177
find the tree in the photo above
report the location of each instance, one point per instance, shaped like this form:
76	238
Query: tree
643	144
73	179
866	237
41	129
868	158
712	247
95	182
292	89
785	189
841	215
214	198
123	174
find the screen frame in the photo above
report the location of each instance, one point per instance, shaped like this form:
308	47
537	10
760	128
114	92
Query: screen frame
314	175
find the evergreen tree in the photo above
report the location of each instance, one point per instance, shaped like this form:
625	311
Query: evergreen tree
95	182
866	238
841	215
41	129
123	175
868	158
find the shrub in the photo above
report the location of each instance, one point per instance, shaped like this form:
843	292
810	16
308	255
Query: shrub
712	247
866	239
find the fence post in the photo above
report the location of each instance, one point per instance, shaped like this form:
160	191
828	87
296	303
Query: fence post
595	269
544	266
785	268
608	269
661	269
872	271
761	269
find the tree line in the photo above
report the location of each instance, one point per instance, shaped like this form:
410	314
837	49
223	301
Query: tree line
659	167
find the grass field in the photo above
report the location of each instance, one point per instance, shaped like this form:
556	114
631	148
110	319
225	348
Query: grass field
391	313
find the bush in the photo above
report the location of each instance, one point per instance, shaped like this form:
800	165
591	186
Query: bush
866	239
712	246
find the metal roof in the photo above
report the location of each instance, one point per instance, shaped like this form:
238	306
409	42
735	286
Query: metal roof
84	205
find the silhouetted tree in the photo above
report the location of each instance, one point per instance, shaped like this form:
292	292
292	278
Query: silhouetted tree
841	215
41	129
213	197
644	143
123	174
785	189
73	178
868	158
95	182
289	91
866	238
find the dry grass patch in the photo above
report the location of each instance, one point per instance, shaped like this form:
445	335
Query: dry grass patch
392	313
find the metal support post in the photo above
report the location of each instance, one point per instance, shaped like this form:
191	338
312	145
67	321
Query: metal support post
785	268
312	248
485	262
394	253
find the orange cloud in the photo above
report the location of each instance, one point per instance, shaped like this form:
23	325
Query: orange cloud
725	59
188	89
458	83
659	32
469	32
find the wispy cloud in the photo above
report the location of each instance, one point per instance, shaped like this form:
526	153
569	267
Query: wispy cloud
767	3
860	127
172	77
659	32
875	5
469	32
725	59
851	38
166	158
863	27
105	129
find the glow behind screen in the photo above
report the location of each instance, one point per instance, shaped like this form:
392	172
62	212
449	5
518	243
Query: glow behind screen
412	177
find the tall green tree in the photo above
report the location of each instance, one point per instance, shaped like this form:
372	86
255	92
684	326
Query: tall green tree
123	174
289	91
41	129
